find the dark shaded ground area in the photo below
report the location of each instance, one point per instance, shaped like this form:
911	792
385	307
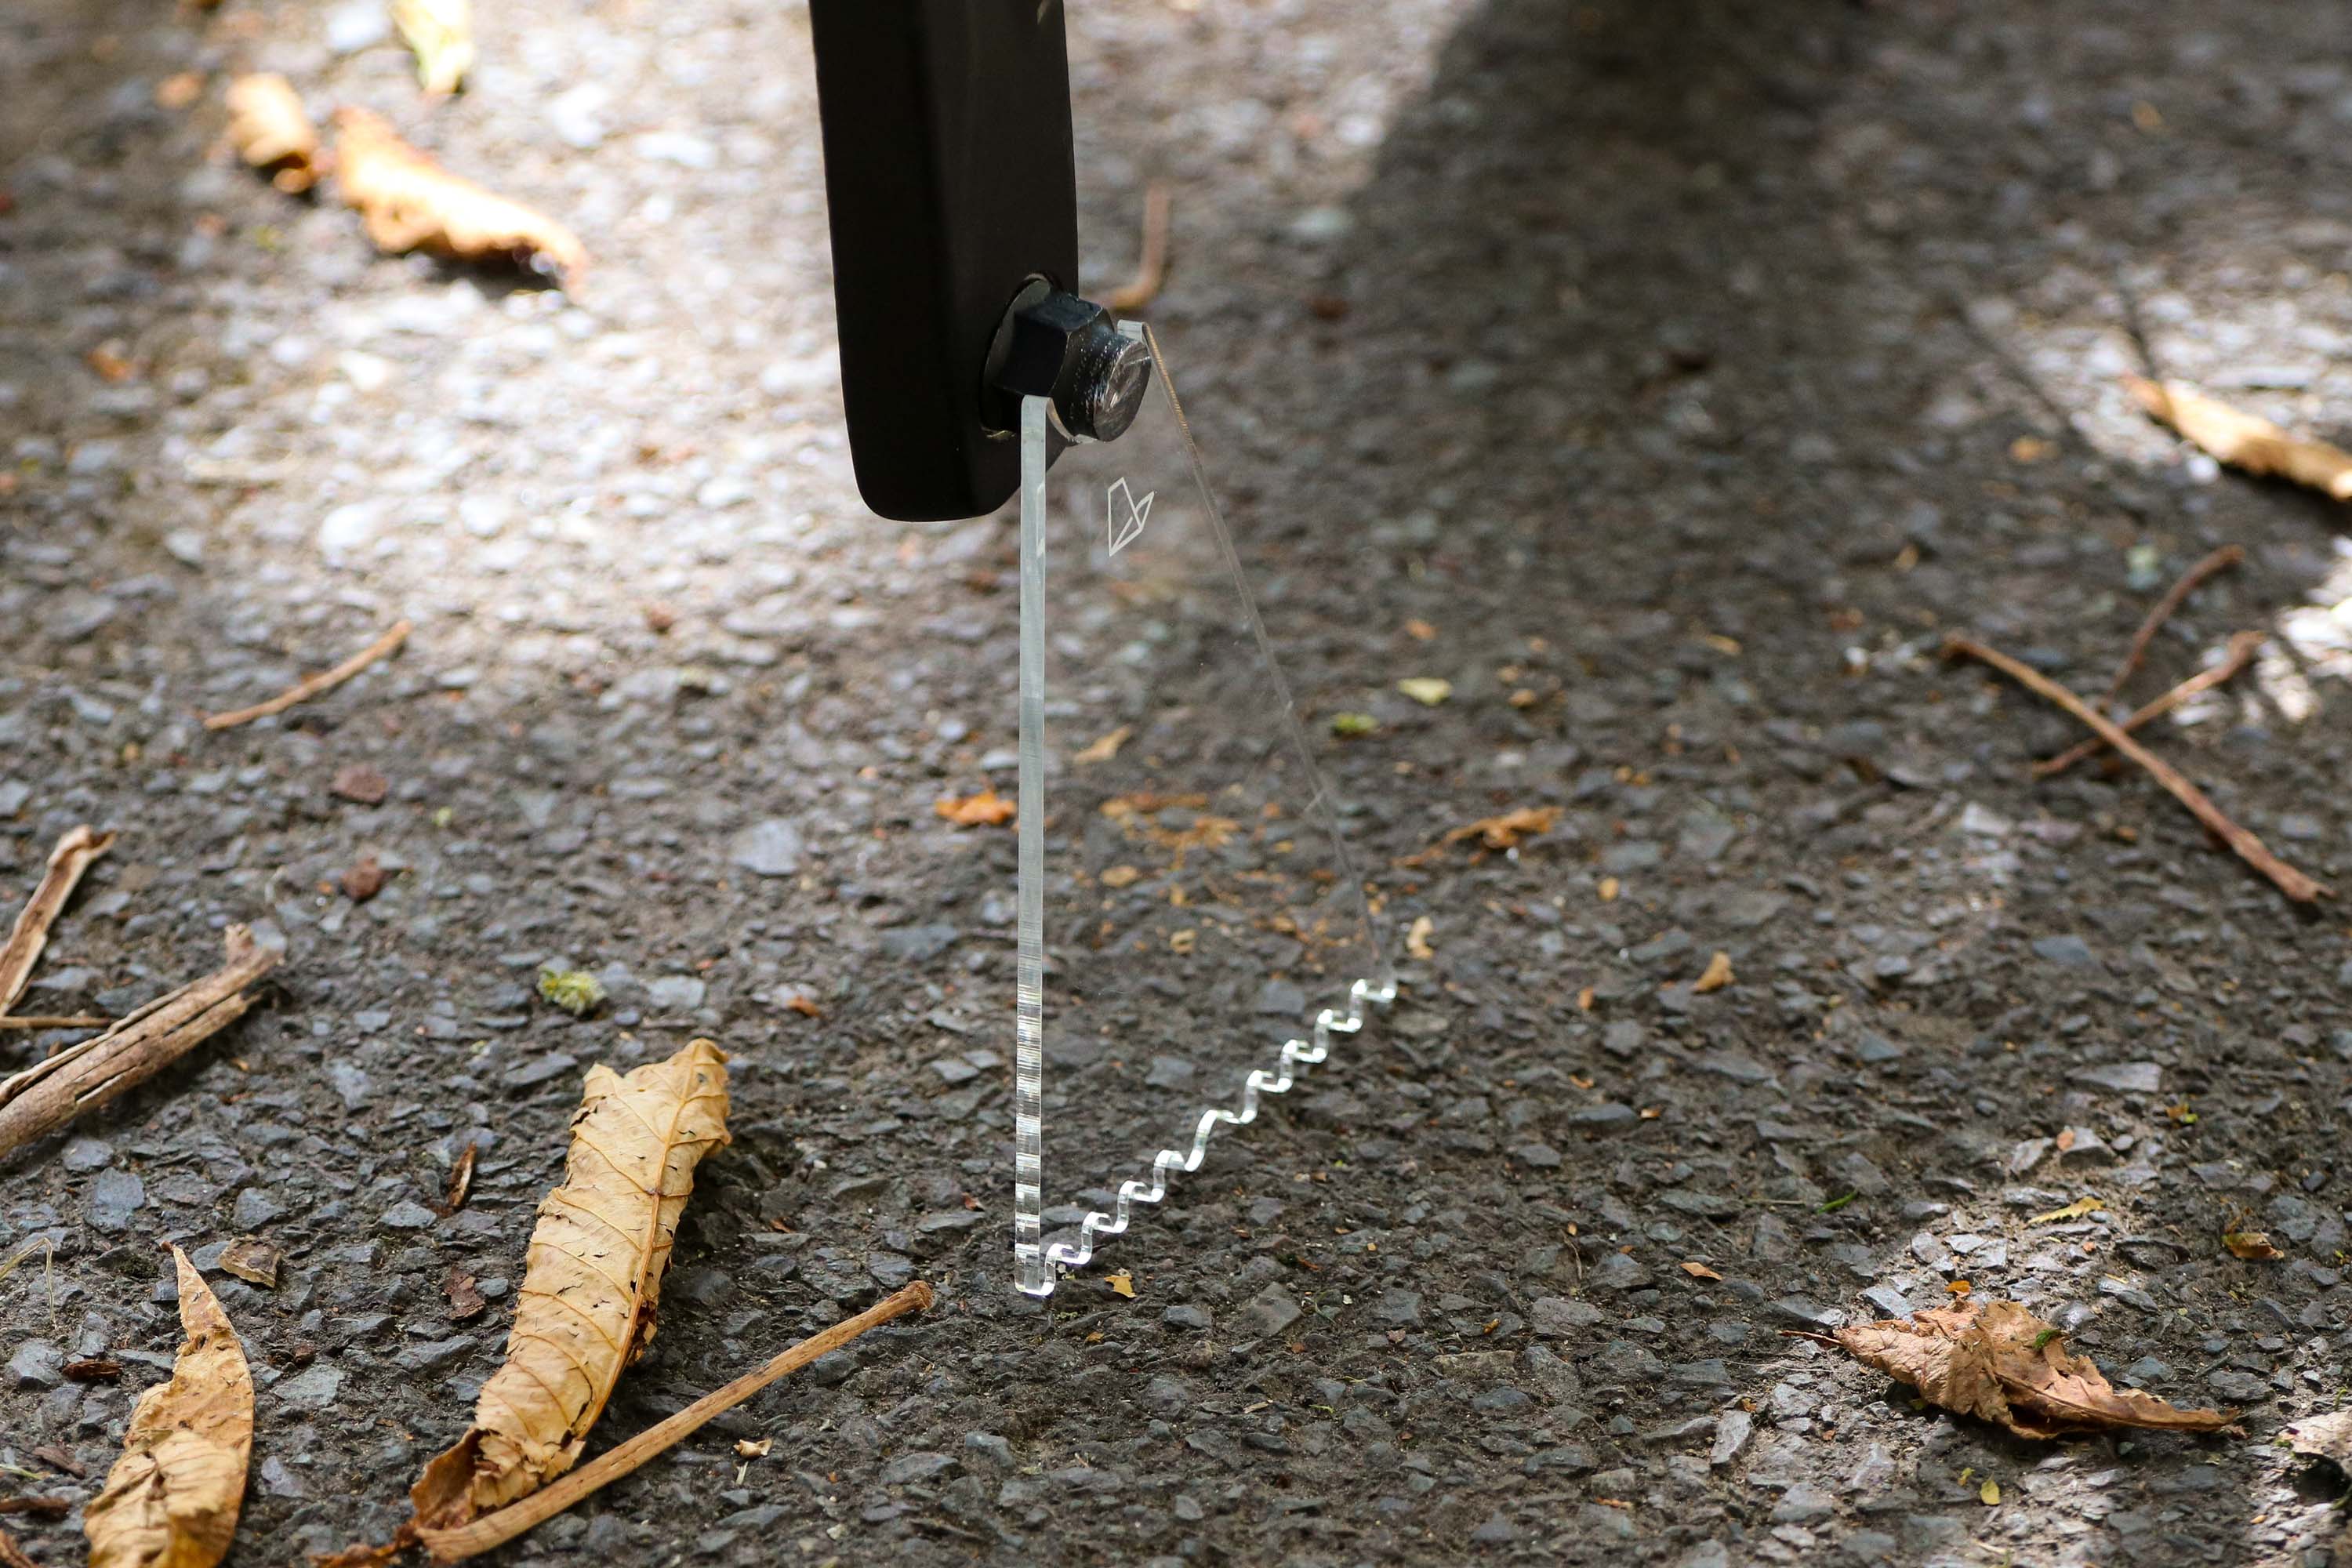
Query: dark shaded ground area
1700	365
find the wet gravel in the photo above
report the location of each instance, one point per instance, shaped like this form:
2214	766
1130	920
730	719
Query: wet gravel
1690	368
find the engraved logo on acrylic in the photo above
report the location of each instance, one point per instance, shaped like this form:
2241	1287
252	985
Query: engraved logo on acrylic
1127	515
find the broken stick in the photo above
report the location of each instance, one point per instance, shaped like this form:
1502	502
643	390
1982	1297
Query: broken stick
56	1021
13	1555
67	861
497	1529
310	685
2240	654
2251	849
2243	441
1151	266
2221	560
49	1094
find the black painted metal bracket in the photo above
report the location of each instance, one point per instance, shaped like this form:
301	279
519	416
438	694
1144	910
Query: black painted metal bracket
952	184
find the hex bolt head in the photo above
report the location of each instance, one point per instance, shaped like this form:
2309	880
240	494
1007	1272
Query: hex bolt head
1057	345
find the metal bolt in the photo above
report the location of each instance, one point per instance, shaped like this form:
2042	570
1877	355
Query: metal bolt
1056	345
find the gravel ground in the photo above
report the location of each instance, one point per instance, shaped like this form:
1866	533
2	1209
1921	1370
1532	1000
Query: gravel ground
1691	366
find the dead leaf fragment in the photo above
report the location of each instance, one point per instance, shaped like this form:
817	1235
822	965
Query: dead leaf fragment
461	1178
270	131
1699	1271
1106	747
2255	1245
465	1295
13	1555
253	1260
171	1499
1988	1493
1429	690
1505	832
1416	939
2242	440
1997	1362
440	34
745	1448
1121	1284
1717	976
89	1369
365	880
592	1282
2076	1210
359	781
179	90
986	809
408	201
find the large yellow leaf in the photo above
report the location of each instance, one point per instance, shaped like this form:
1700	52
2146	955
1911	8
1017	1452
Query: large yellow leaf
591	1283
171	1499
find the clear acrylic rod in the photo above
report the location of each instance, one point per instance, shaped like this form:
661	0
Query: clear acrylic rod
1033	1274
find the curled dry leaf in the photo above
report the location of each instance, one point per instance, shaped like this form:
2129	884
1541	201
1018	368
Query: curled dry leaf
1997	1362
986	809
1699	1271
2076	1210
408	201
2255	1245
270	131
171	1499
440	34
2242	440
1416	939
1429	690
591	1284
745	1448
1717	976
1505	832
1105	747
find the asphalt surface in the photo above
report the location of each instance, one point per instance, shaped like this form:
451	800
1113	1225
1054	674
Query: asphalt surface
1668	378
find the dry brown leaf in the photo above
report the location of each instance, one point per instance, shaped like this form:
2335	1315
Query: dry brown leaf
986	809
270	131
1505	832
1999	1362
465	1295
1700	1271
2326	1437
2076	1210
359	781
365	880
1104	749
171	1499
408	201
2245	441
253	1260
68	860
1121	1284
745	1448
13	1555
1416	939
440	34
461	1178
2255	1245
1717	976
591	1284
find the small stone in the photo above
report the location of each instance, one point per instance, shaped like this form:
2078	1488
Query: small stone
1731	1431
1196	1318
1398	1307
770	849
315	1387
920	1466
919	945
407	1214
1542	1156
114	1197
676	992
37	1364
256	1208
84	1154
357	25
1268	1313
1496	1532
1803	1505
1282	998
2066	951
1556	1316
2124	1078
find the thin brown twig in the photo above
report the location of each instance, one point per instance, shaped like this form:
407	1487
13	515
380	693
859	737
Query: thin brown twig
310	685
56	1021
74	852
13	1555
1151	265
2251	849
2240	654
497	1529
51	1093
2221	560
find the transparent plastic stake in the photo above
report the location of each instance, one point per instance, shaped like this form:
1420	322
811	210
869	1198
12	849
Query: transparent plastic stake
1193	876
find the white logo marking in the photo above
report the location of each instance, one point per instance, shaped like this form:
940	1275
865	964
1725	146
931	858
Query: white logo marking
1125	530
